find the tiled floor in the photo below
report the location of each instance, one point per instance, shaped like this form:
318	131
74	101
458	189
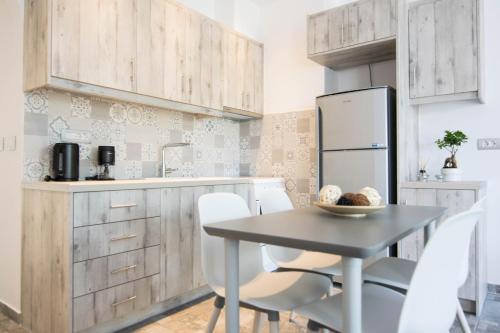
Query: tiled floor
195	318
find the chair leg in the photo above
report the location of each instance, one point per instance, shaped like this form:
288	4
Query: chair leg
312	327
462	319
274	322
218	305
257	322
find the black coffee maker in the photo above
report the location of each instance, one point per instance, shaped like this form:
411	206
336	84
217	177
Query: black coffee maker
105	158
65	163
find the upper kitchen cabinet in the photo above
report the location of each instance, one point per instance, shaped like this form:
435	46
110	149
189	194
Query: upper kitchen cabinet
444	51
243	73
153	52
95	42
354	34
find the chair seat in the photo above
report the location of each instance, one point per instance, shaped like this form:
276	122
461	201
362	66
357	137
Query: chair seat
282	291
395	272
381	310
314	261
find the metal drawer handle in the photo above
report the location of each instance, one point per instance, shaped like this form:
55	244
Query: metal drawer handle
124	301
123	237
124	205
123	269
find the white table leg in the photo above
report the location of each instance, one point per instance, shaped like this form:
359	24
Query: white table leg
232	285
429	231
351	300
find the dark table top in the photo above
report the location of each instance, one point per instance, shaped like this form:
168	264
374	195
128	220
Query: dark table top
313	229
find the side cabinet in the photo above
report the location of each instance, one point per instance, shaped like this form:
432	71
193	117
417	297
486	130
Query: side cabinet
457	197
358	33
444	50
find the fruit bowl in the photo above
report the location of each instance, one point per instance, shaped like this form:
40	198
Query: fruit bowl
350	211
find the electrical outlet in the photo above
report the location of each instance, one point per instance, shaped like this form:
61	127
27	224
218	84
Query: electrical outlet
488	144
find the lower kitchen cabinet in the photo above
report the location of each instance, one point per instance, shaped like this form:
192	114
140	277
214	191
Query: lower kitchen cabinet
457	197
99	261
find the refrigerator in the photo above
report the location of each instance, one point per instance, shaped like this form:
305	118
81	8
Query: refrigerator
357	140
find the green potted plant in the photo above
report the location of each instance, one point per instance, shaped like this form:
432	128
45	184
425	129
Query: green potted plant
451	141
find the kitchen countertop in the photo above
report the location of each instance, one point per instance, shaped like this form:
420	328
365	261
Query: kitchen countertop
458	185
145	183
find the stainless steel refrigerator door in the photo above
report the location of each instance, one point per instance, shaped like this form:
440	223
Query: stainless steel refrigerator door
354	120
355	169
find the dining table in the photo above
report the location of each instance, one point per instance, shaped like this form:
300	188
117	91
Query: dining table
314	229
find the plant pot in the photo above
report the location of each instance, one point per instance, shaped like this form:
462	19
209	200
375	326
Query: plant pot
451	174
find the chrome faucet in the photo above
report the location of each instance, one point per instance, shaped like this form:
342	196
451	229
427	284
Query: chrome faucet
164	170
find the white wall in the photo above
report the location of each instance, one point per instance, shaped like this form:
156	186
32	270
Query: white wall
11	163
477	121
241	15
291	81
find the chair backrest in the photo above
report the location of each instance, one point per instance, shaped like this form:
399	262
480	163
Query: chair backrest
431	301
464	273
218	207
274	201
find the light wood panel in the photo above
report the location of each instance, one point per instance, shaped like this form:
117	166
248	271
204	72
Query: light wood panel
46	261
177	241
119	301
155	48
106	239
101	273
112	206
36	43
412	246
444	50
357	33
108	56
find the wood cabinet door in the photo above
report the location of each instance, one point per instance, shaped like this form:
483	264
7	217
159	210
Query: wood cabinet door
360	22
384	20
258	67
412	246
212	64
151	50
318	27
443	48
192	74
177	243
458	201
95	42
337	28
230	66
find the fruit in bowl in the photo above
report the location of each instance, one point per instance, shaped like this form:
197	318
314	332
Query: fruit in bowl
330	194
367	201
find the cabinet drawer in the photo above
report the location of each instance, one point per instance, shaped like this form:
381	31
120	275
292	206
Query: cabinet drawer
101	273
105	239
92	208
116	302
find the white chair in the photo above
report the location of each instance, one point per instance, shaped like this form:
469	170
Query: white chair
261	291
430	303
397	272
274	201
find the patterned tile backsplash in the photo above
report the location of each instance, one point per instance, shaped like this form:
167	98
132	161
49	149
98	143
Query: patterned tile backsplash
136	131
282	145
279	145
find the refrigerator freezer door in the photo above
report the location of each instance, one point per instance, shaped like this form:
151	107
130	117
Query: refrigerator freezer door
354	120
355	169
